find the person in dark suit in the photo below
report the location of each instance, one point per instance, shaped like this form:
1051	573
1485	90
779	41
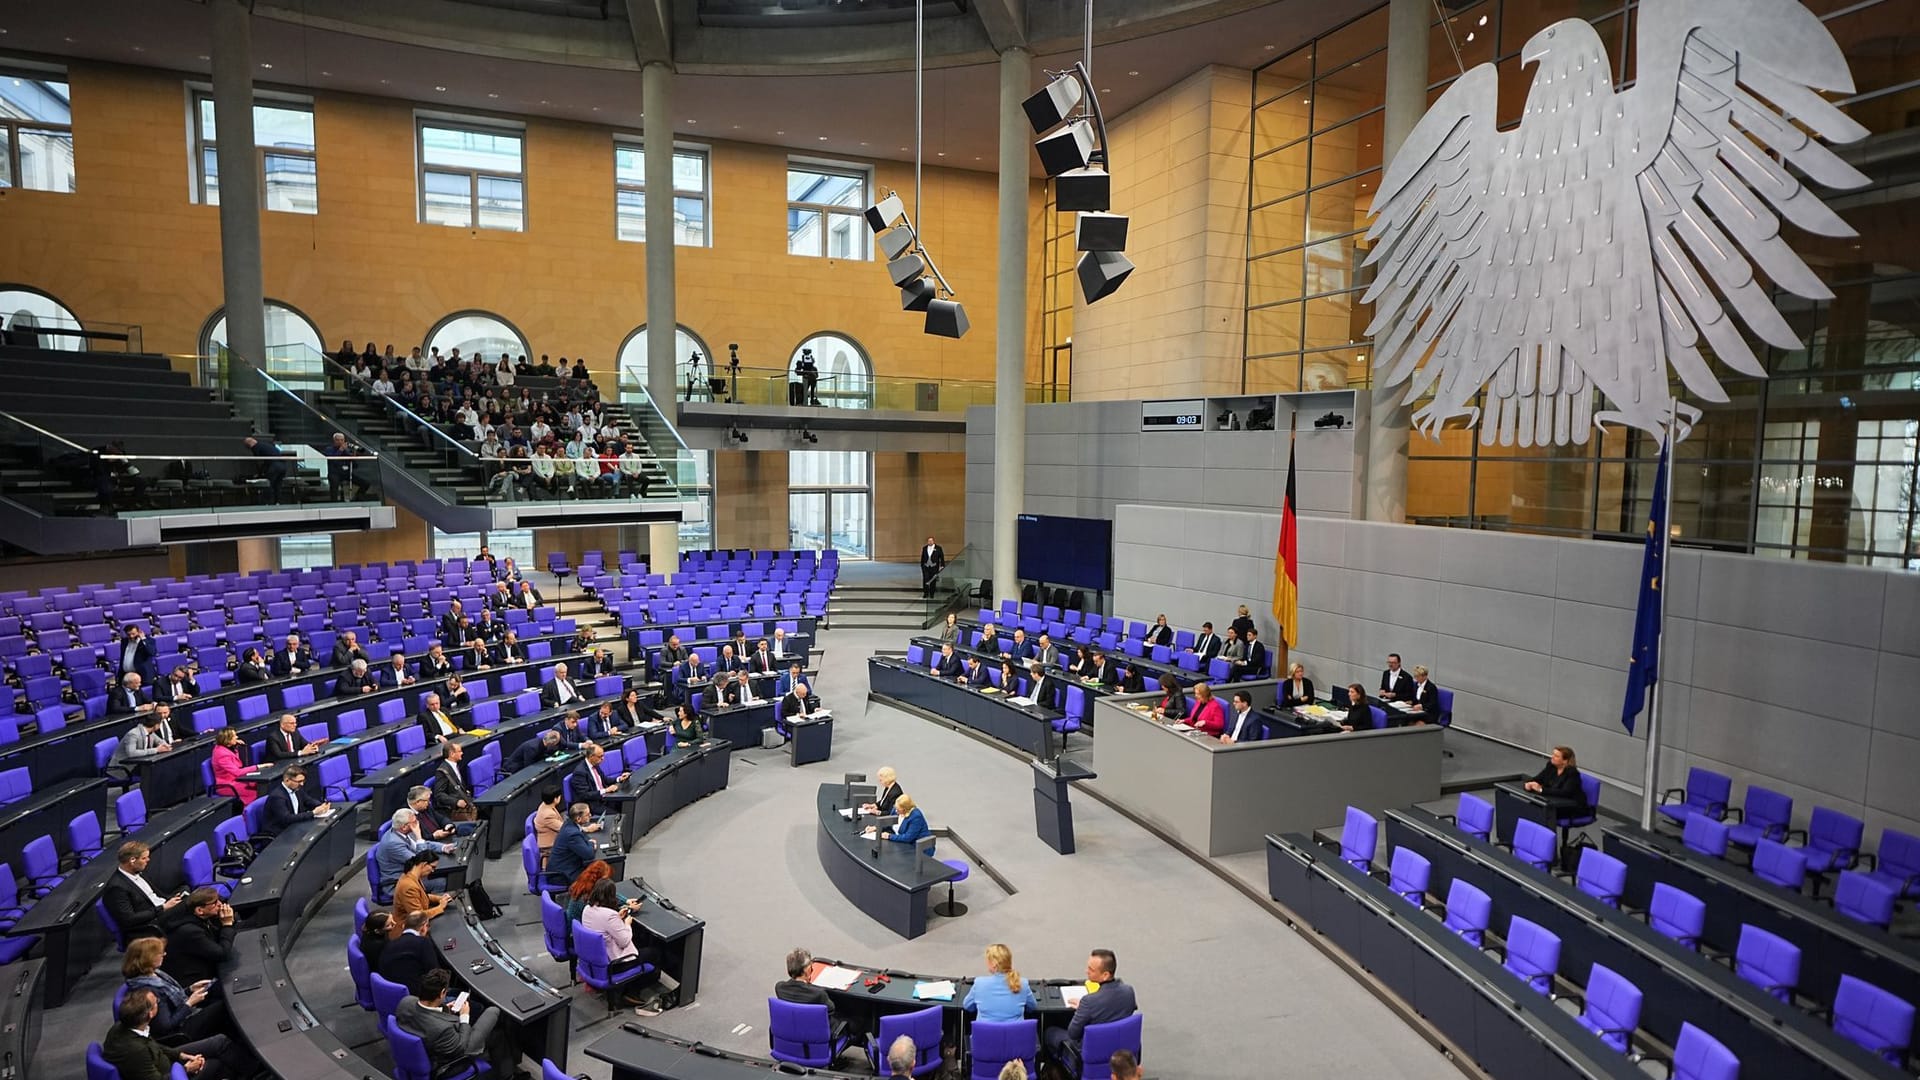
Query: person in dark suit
1559	782
733	689
510	651
132	903
797	989
1359	713
1425	695
673	652
136	655
1395	684
287	803
1173	700
295	658
531	753
949	666
1103	669
730	661
1019	648
359	679
347	650
762	668
933	559
1160	633
561	691
572	848
1207	644
1256	661
452	1036
573	734
130	695
452	800
630	714
411	954
528	597
601	723
199	932
888	794
1298	689
989	642
450	624
435	665
133	1051
396	673
501	598
686	675
285	742
437	724
977	674
589	783
488	629
274	468
1243	723
252	668
600	663
1046	686
178	688
1111	1000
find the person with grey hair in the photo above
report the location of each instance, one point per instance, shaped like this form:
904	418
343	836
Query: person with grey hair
797	989
437	724
572	850
1017	1070
561	690
419	800
347	649
401	843
901	1056
357	681
532	752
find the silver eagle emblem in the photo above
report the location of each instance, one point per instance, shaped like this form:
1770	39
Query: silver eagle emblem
1611	233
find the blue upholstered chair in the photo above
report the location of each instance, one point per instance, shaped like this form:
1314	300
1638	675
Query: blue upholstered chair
1359	836
802	1034
993	1045
1873	1018
1768	961
1099	1041
1613	1007
924	1027
1468	911
1533	953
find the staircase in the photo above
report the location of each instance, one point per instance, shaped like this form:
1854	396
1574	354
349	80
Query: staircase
380	427
880	606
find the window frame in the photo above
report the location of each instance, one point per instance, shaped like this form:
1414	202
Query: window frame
851	170
12	127
705	194
199	93
493	126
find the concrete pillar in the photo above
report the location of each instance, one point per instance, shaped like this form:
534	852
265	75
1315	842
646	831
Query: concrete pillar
662	553
1407	26
662	318
239	200
1010	325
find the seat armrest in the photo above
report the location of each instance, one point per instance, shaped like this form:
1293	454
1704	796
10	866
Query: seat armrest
1667	795
1741	817
1869	855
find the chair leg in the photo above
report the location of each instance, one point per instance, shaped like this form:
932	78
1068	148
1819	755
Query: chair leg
952	909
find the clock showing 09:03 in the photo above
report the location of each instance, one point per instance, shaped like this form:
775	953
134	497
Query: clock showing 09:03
1187	415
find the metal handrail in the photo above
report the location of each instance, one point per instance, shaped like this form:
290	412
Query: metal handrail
38	430
347	376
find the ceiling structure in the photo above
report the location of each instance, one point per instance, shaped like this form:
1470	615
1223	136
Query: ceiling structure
748	70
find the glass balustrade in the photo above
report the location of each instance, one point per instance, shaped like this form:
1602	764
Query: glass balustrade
840	390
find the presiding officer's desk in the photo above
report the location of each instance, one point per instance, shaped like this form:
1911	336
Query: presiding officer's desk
1831	945
1221	799
276	1022
1678	984
1507	1029
72	936
533	1011
884	878
294	873
1027	727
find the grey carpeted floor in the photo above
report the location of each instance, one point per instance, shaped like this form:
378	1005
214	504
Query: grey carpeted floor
1228	990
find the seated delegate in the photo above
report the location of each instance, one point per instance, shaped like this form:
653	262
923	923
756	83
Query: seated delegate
1559	782
1108	999
912	826
1173	700
1000	996
888	794
795	988
1207	716
1359	713
1297	690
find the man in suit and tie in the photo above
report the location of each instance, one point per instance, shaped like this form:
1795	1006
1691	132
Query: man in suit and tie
131	902
1256	661
452	799
560	691
933	559
295	658
1395	684
797	989
136	1055
686	677
408	957
532	752
1019	648
488	629
436	723
1207	645
589	785
288	803
129	696
286	742
347	650
730	660
949	666
453	1035
795	705
163	715
450	625
1110	1000
136	654
501	598
602	723
1104	670
976	674
528	597
436	665
141	742
1045	652
785	651
510	651
178	687
1046	686
396	673
573	731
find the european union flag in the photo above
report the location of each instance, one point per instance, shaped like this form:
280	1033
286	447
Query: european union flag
1643	664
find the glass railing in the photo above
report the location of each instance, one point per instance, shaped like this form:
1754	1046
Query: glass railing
171	472
50	331
837	390
297	366
661	466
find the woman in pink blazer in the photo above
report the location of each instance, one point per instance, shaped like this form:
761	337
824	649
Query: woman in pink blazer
228	768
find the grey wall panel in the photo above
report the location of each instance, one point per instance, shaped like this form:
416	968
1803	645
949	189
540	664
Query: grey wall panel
1900	626
1599	574
1592	633
1796	673
1892	767
1896	697
1245	450
1323	451
1319	492
1173	485
1587	693
1518	724
1515	619
1606	751
1494	671
1797	598
1182	448
1113	451
1825	754
1522	564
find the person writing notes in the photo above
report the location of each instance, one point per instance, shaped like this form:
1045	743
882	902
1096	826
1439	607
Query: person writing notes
1425	695
1207	716
1001	997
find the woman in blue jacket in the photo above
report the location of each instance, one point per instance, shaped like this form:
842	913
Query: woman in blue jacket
912	826
1000	996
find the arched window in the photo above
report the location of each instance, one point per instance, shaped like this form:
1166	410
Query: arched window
846	375
25	308
295	349
686	344
477	332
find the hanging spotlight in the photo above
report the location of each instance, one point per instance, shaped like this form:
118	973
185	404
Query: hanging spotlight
1054	103
1100	232
1075	157
912	269
1083	189
1101	272
1068	149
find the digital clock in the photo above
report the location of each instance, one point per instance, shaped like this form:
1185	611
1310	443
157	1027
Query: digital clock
1176	420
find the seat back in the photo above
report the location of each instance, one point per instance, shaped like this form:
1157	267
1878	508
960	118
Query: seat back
1533	953
1699	1056
924	1027
1601	876
1474	816
1708	792
590	953
410	1059
1864	898
1359	836
1768	961
130	810
1099	1041
1533	843
1769	811
1677	914
994	1044
1780	865
554	929
196	865
1408	874
362	975
1706	835
99	908
386	995
40	860
1613	1007
801	1034
1468	911
84	836
1875	1019
1835	835
1899	860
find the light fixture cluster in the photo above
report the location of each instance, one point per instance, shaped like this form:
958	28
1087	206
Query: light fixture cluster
1075	157
912	269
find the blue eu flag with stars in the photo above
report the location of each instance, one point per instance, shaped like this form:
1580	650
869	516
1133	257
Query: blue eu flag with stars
1643	664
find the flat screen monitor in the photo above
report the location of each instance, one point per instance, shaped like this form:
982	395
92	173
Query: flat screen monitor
1069	551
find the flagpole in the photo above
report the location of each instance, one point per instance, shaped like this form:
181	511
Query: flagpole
1650	780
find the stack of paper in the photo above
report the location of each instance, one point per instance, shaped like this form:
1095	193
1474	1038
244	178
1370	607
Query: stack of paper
1071	995
1023	702
847	813
934	991
836	977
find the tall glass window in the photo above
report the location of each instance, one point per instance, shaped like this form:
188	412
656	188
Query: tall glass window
283	139
29	309
295	349
36	120
477	333
846	375
830	501
686	345
472	175
690	180
311	551
501	544
698	535
824	207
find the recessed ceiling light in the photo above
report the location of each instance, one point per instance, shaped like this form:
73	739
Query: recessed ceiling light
736	127
269	67
823	138
383	82
939	153
493	95
543	101
326	74
596	108
69	41
442	89
976	157
1483	20
1469	36
1270	48
136	48
863	143
1133	73
779	133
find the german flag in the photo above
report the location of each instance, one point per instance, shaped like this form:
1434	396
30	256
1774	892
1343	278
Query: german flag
1286	565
